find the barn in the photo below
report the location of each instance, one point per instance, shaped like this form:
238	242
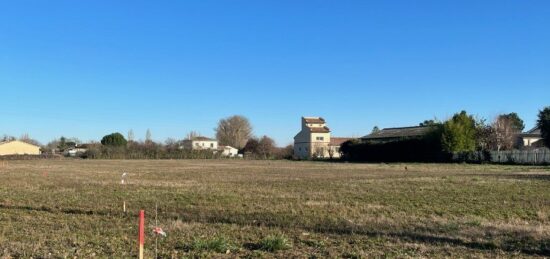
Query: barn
16	147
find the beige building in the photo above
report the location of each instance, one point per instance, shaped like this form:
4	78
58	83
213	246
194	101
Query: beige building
16	147
314	140
200	143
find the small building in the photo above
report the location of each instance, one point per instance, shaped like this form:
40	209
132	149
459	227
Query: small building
314	140
16	147
228	151
200	143
530	138
396	134
76	150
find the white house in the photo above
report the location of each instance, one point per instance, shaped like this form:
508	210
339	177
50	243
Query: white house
531	138
229	151
76	150
200	143
314	140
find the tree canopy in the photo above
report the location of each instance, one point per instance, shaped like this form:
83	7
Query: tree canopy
234	131
459	133
544	124
115	139
515	121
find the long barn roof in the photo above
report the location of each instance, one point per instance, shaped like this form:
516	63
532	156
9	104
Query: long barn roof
402	132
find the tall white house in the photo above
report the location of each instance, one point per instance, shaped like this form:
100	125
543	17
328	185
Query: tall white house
314	140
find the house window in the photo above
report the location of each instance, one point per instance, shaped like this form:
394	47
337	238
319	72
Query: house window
212	145
299	149
320	138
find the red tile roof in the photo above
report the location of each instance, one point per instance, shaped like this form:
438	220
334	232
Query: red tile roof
319	129
336	141
315	120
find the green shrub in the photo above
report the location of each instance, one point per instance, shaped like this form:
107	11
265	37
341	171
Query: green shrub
217	244
274	243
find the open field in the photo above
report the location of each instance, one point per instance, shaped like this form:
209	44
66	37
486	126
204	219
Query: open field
224	208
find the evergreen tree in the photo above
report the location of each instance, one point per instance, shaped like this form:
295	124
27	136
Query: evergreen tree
114	139
544	124
459	133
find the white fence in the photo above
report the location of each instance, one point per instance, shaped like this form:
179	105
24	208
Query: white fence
534	157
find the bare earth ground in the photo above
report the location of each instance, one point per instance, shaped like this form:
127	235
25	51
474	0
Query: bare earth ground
73	208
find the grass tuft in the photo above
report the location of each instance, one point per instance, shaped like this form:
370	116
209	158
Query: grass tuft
273	243
217	244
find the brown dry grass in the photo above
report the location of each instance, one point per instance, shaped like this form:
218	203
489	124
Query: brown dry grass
68	208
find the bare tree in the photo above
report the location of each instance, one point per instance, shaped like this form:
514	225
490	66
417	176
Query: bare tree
25	138
171	144
331	152
7	138
148	136
266	147
192	134
504	133
318	150
234	131
130	135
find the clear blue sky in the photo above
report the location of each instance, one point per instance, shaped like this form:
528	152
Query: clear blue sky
89	68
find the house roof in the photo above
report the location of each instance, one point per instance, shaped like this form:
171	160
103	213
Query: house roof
401	132
9	141
316	120
201	138
534	132
337	141
319	129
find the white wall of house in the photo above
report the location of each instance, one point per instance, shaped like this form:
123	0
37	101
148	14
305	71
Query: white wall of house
230	151
528	141
335	151
200	144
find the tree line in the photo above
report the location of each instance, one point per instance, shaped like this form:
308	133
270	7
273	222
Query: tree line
462	137
235	131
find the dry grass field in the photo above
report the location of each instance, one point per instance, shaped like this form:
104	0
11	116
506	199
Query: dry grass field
224	208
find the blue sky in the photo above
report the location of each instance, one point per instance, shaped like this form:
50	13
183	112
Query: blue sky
89	68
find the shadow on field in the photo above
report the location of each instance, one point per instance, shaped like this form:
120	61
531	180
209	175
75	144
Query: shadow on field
422	234
54	210
526	176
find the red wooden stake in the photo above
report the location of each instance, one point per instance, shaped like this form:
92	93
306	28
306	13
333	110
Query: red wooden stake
141	232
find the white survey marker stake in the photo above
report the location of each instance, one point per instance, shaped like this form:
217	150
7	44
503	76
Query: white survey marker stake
123	178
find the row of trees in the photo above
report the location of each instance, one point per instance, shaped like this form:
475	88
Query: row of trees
235	131
464	133
460	135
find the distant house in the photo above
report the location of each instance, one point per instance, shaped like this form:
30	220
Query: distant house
314	140
200	143
530	138
16	147
228	151
396	134
76	150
